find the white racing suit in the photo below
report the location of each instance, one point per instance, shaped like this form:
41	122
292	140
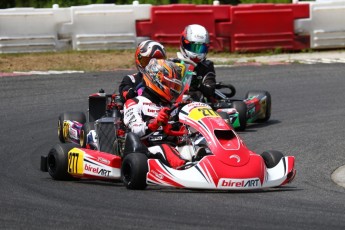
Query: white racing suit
138	112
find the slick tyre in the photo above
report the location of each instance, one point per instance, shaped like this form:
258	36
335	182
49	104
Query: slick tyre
57	161
87	127
241	108
268	104
73	116
271	158
133	171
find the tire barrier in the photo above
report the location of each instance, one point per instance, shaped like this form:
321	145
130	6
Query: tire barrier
245	27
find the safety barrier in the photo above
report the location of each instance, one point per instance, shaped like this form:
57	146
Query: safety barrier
98	26
256	27
246	27
167	22
326	25
104	26
30	30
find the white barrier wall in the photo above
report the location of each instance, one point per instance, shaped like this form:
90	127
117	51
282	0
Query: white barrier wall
110	26
104	26
99	26
326	25
30	30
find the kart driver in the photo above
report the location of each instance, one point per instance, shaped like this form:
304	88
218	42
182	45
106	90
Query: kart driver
194	46
130	85
147	114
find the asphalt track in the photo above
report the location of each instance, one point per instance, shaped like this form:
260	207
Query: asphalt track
307	121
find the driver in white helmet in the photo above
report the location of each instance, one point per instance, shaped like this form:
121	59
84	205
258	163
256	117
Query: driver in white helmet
194	46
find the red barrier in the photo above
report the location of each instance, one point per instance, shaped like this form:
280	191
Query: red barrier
260	27
168	21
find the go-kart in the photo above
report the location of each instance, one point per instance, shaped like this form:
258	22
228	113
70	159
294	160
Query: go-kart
255	108
227	165
104	116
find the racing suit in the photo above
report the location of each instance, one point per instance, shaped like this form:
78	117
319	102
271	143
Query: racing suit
138	113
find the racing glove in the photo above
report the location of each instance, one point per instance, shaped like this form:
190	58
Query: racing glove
161	119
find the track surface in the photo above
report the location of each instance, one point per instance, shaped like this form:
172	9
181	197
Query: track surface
307	121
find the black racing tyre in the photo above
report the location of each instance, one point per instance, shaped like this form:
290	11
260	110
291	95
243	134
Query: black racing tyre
133	171
262	93
73	116
271	158
241	108
57	161
87	127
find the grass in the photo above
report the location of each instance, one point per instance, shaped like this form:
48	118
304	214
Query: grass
91	61
88	61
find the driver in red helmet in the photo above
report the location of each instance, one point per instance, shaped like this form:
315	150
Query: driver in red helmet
147	114
146	50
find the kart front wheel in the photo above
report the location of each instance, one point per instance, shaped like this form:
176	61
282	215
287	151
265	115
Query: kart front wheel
271	158
133	171
57	161
72	116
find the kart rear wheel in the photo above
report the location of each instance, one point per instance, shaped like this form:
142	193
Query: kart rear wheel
267	105
272	158
87	127
57	161
72	116
133	171
241	108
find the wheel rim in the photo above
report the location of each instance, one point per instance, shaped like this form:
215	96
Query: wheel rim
59	128
81	138
65	130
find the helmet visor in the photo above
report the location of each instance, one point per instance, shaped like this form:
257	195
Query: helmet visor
144	61
198	48
175	85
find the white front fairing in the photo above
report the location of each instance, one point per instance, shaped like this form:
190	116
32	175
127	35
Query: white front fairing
208	175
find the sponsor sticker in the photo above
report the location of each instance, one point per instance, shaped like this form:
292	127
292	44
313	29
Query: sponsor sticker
97	170
239	183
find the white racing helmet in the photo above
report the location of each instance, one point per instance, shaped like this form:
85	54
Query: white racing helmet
195	42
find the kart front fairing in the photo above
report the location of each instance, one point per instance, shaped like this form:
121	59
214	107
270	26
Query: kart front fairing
232	166
211	173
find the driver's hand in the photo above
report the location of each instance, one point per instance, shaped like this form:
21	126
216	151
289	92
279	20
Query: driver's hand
163	116
161	119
